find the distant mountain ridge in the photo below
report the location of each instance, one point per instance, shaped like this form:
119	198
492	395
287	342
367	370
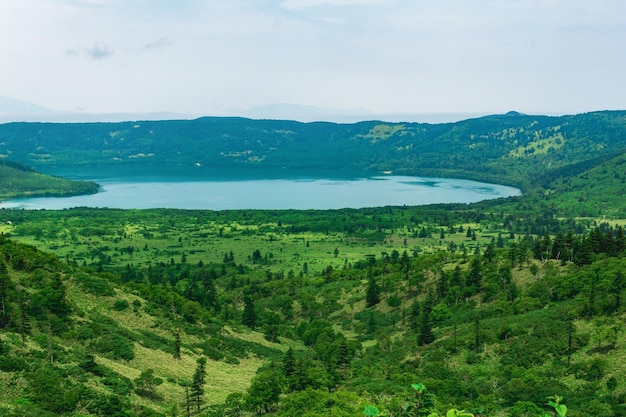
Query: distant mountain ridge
512	148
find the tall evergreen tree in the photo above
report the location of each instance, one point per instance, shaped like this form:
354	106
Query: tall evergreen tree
474	276
249	314
414	316
490	252
513	253
289	363
500	241
442	285
373	293
426	335
457	277
197	384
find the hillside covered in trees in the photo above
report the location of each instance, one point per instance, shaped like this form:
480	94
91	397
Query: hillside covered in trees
18	180
513	149
495	308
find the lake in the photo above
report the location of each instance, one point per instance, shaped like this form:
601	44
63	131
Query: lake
219	189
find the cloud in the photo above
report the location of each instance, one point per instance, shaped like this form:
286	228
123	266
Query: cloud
99	51
95	51
156	44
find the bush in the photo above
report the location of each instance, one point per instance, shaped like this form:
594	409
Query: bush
120	305
12	364
115	347
394	301
52	392
95	286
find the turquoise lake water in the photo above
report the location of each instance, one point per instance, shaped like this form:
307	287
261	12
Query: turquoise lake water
218	189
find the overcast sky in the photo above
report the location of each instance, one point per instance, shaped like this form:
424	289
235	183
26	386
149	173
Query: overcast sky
210	57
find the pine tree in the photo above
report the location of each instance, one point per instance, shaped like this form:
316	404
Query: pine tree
513	253
426	335
490	252
442	285
210	293
249	315
500	241
197	384
373	293
457	277
414	316
343	356
474	277
289	363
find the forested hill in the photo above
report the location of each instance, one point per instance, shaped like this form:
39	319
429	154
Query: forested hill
18	180
512	148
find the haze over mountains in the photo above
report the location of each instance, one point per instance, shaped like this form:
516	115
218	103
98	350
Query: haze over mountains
13	110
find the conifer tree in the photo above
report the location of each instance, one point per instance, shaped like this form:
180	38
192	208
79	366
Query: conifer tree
457	277
426	335
475	276
249	315
197	384
442	285
289	363
500	241
373	293
490	252
414	316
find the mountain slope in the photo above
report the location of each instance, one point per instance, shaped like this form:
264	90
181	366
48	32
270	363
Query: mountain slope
511	148
17	180
72	341
539	316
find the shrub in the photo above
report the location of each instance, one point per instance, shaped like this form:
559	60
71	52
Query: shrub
115	347
120	305
95	286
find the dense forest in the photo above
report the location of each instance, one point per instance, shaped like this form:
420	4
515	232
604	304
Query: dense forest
513	149
509	307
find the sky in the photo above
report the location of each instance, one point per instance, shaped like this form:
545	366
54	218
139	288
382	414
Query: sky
365	57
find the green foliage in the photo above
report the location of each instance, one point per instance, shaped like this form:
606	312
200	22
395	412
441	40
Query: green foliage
197	384
513	148
370	410
373	293
249	313
559	408
120	305
19	181
264	392
524	316
114	346
146	383
51	391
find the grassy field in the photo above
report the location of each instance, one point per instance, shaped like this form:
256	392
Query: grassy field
141	239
